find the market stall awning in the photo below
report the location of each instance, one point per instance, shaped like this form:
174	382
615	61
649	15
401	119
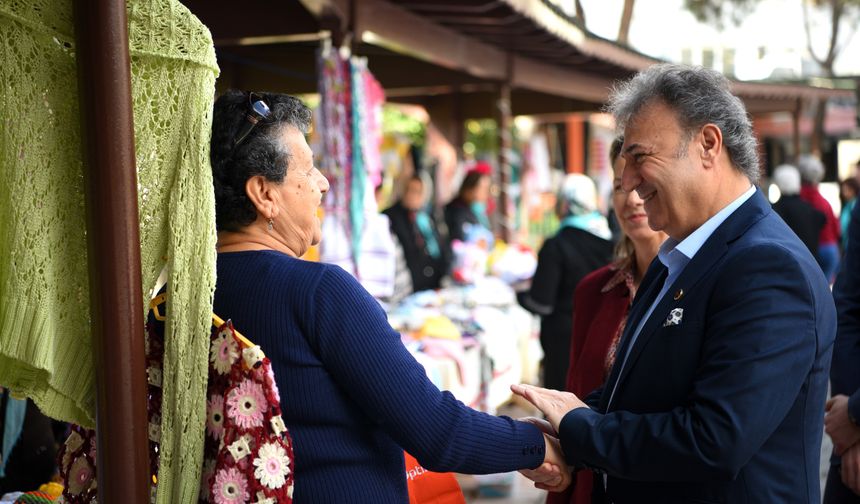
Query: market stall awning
421	48
491	41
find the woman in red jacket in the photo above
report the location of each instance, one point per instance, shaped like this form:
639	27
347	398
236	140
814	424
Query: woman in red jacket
811	172
602	299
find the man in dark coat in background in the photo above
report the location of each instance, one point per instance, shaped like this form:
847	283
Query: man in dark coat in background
801	217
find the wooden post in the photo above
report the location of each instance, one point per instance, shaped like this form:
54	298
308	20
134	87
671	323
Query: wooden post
575	162
113	240
795	127
505	124
459	131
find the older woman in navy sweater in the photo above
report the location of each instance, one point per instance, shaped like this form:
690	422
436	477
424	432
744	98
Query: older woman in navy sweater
353	397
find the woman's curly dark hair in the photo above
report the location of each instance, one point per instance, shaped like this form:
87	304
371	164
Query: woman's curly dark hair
260	153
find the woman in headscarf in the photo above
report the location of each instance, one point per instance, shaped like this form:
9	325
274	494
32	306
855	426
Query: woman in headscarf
469	208
581	246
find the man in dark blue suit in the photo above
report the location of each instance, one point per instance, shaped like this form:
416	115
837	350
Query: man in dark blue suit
842	421
719	384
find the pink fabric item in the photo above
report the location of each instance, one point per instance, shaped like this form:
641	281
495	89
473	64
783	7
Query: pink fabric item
448	349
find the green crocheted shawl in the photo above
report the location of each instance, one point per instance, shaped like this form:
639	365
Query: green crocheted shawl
45	341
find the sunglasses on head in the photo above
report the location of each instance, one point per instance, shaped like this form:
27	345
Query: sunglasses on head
257	110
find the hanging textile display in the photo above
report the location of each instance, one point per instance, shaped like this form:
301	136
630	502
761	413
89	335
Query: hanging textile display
355	236
357	67
374	98
375	250
367	100
45	338
335	121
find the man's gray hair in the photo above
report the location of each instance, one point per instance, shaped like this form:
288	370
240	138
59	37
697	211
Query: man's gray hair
699	96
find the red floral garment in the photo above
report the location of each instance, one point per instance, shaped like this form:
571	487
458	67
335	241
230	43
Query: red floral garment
248	453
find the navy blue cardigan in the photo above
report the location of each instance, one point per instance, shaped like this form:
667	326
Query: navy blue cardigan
352	396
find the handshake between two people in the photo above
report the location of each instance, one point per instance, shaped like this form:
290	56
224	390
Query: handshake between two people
554	474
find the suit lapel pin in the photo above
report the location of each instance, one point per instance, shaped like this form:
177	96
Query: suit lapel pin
674	318
679	294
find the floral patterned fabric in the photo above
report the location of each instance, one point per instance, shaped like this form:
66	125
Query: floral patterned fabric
248	453
77	460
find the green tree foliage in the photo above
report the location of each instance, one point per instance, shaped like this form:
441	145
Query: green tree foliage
481	138
396	121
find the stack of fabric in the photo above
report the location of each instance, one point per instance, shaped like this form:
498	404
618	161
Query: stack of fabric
474	340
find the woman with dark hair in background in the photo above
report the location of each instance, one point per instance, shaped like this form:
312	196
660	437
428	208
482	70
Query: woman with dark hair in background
469	208
353	396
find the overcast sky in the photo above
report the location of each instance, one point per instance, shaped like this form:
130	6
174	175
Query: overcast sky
662	27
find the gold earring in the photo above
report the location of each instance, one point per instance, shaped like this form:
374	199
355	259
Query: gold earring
271	223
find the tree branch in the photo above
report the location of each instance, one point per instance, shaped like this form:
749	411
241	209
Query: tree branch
580	13
626	16
837	8
809	34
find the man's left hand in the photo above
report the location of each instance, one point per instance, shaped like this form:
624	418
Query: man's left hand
838	426
552	403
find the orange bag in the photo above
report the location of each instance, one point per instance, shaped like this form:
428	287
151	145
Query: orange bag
427	487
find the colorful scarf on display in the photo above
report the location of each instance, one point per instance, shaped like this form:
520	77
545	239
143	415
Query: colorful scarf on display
350	123
335	155
358	183
425	226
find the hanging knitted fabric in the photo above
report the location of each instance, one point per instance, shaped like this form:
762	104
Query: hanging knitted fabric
45	343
